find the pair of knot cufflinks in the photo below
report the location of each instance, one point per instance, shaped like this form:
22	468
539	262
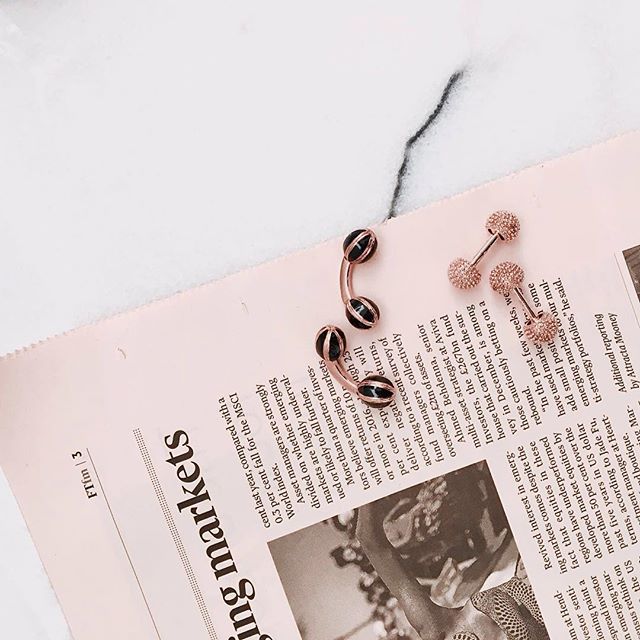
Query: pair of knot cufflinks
362	313
505	278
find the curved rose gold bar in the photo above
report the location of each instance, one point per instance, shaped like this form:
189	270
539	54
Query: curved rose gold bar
339	373
346	281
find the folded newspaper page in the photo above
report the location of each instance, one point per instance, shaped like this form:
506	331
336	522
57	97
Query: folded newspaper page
191	469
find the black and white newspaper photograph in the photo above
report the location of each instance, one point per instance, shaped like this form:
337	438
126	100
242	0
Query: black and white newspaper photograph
632	260
436	560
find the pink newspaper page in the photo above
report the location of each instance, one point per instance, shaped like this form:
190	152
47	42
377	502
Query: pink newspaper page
191	469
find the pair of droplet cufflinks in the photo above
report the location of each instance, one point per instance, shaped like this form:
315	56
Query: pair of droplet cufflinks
505	278
362	313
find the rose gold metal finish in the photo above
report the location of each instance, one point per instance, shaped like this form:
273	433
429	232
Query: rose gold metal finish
462	274
483	250
346	281
531	312
505	277
540	326
501	225
339	373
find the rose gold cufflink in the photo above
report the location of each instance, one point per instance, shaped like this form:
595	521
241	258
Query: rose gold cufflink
540	326
358	247
374	390
501	225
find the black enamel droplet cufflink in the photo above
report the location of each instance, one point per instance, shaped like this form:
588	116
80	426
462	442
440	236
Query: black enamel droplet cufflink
358	247
374	390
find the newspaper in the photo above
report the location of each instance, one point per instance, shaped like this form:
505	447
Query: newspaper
192	470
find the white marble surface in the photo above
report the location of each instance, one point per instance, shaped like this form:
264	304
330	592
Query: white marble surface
150	145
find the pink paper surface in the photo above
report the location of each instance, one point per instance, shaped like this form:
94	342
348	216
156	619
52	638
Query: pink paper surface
163	366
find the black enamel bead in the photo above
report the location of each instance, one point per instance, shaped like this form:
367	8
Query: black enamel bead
363	249
337	342
376	391
362	312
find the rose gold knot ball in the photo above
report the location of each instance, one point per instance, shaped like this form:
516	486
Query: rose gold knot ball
462	275
505	224
505	277
541	329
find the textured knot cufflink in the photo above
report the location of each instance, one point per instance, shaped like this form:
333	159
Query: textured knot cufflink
540	326
501	225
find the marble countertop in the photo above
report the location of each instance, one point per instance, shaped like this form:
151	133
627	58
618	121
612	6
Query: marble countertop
148	147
